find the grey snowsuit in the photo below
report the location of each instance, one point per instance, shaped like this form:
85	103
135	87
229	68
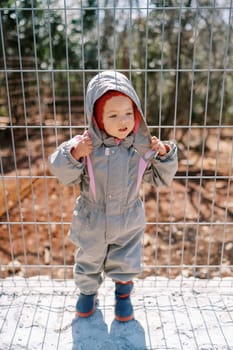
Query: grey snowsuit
108	219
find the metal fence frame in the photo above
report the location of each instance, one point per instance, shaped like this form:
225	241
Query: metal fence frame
17	176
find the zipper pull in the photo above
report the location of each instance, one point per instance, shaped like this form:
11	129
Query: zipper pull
107	151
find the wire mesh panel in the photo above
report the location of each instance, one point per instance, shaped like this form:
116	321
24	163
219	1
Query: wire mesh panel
178	55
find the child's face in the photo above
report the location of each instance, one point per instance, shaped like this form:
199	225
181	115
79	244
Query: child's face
118	117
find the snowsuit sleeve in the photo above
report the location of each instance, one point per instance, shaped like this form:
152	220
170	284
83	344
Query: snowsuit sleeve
161	169
61	164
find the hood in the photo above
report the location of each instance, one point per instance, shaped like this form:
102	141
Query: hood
112	80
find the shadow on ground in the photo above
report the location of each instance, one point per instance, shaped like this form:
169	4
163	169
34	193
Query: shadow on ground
92	333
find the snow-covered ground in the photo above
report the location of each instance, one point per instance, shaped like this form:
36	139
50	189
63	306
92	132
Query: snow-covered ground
169	314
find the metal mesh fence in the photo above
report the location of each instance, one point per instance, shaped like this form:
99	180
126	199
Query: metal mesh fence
178	55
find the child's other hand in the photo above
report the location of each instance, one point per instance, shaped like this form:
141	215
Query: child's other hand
83	147
157	145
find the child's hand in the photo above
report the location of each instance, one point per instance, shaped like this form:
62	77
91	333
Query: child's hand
157	145
83	148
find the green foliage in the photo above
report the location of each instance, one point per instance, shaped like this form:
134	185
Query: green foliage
34	34
185	53
178	55
38	36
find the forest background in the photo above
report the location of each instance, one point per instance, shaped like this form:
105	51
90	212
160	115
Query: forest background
173	51
179	57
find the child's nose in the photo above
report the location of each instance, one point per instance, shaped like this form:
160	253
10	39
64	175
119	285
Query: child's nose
124	119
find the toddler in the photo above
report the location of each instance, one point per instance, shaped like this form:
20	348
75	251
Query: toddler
109	162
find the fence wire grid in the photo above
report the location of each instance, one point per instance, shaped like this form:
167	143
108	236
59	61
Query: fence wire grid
178	55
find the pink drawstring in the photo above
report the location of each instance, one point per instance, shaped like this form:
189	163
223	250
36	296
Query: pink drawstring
91	175
142	167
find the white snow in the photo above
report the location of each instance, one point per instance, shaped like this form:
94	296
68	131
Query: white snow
169	314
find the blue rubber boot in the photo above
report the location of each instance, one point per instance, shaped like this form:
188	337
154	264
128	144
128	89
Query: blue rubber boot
123	306
86	305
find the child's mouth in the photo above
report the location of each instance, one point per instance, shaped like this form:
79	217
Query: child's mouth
123	129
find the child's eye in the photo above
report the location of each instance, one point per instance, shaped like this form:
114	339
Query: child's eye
112	116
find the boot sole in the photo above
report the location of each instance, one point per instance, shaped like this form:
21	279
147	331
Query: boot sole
89	313
124	319
85	314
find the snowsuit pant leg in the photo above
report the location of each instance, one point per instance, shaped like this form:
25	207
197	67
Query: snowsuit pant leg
123	260
92	249
88	269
